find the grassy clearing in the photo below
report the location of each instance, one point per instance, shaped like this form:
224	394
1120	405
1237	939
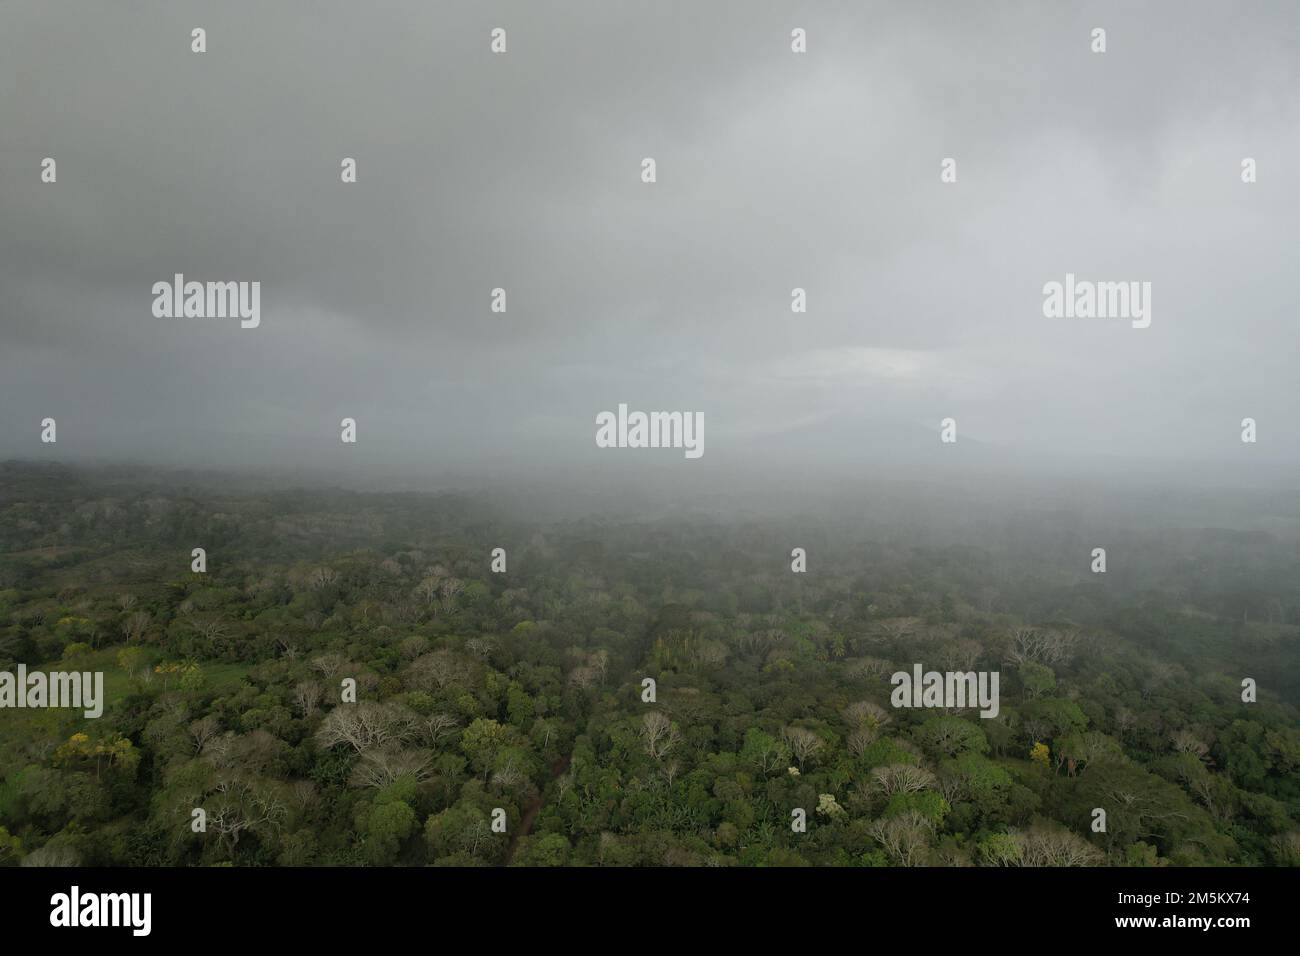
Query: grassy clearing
49	727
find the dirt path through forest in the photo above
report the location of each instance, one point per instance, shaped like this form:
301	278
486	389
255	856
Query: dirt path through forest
534	807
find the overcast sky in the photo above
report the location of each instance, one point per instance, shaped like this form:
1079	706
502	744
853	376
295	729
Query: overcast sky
522	170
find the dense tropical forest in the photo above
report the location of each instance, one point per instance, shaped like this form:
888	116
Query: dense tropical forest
502	717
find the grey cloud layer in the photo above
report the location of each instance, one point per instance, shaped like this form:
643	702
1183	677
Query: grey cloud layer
521	171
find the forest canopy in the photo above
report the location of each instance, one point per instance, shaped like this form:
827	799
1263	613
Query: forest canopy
501	712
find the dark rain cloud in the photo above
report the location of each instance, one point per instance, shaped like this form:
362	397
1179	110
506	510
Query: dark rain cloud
522	171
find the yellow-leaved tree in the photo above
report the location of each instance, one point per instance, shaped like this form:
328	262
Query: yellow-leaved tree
1039	753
